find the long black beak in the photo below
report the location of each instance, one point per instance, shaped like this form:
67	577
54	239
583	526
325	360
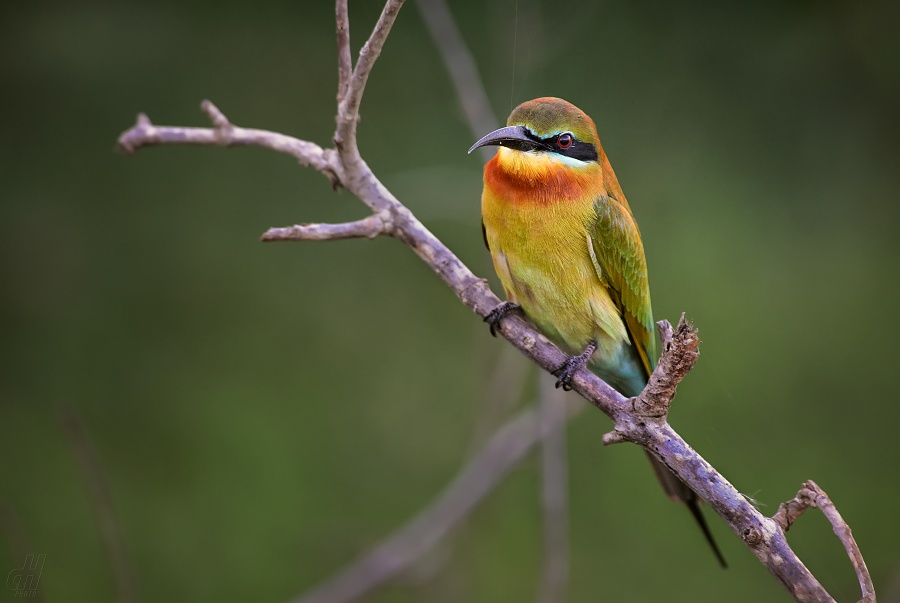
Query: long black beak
514	137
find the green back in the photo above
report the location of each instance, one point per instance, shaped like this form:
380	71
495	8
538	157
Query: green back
622	268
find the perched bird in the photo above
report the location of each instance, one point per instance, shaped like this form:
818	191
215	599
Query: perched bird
569	254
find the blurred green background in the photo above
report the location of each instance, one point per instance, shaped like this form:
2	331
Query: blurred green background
266	413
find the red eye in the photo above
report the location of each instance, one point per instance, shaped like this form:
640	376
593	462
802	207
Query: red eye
564	141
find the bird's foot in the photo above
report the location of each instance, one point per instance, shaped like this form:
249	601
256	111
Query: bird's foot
502	310
565	371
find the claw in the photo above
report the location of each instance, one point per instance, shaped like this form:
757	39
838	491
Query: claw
565	371
502	310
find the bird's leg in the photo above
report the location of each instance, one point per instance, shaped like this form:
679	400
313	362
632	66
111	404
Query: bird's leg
565	371
502	310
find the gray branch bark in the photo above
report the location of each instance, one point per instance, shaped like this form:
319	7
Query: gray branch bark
641	420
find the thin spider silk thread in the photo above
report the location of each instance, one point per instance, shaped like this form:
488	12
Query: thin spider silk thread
512	86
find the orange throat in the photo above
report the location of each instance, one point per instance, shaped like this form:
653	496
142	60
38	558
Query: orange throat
527	178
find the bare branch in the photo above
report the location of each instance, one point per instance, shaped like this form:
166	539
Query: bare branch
811	495
368	228
101	502
555	492
345	63
145	134
459	62
508	445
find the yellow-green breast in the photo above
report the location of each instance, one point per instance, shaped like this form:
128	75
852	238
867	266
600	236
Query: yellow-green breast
537	213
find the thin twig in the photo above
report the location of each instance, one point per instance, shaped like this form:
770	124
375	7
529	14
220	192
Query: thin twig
458	60
367	228
345	62
811	495
555	491
101	502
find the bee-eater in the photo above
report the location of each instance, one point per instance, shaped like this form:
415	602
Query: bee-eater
569	254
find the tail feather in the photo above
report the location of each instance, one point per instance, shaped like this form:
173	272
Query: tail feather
694	506
678	491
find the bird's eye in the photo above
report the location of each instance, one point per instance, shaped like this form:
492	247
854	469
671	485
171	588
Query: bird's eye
564	141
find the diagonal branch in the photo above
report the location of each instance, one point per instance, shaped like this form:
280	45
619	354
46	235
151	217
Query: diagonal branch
495	460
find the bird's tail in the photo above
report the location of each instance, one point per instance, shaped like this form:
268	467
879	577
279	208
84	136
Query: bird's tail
678	491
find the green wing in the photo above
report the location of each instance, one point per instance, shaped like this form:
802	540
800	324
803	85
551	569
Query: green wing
620	264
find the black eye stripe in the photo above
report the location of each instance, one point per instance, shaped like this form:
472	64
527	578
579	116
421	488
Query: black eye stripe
577	149
582	151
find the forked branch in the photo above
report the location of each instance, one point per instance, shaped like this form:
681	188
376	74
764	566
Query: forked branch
224	134
811	495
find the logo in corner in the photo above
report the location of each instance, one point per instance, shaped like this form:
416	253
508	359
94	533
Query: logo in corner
25	580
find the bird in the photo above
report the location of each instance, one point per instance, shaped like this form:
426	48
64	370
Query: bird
569	254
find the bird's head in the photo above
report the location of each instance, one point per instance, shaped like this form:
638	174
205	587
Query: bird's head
548	129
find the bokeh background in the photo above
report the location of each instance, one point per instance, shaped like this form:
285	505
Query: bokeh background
266	413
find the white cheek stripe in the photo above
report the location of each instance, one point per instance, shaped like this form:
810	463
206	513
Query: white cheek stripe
542	158
570	161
